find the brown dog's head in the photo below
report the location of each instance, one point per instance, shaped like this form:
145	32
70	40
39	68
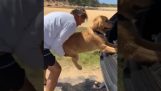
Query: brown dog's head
130	9
101	24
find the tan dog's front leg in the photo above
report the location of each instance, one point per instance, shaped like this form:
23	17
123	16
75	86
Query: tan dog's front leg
110	50
75	59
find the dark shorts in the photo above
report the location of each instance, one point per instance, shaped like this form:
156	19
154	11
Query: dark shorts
11	75
49	58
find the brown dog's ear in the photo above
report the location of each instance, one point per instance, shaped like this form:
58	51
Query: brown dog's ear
130	9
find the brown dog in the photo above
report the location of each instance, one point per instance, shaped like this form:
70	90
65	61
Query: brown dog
131	44
89	40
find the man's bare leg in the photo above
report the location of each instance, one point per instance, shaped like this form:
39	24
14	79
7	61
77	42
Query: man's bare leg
52	79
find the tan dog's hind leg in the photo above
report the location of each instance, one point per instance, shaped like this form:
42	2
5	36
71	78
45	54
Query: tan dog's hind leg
75	59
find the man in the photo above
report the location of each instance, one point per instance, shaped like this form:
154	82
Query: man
58	27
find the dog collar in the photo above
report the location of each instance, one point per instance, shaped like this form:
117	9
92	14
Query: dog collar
100	33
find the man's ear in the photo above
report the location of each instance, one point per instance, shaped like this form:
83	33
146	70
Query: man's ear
76	18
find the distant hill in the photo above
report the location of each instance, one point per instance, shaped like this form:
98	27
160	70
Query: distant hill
87	3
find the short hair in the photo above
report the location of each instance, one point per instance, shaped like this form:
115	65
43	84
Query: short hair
80	11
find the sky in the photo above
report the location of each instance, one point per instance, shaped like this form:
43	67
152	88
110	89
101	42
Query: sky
108	1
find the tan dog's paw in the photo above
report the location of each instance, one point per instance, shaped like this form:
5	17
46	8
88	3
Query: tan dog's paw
110	50
79	67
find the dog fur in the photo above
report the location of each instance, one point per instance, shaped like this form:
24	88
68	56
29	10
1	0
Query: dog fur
88	40
131	45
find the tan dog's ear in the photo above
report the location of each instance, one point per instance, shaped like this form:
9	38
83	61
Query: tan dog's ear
96	23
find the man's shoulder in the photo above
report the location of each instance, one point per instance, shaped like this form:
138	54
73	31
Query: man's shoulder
58	14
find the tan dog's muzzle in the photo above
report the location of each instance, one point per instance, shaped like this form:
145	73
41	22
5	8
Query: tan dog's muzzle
108	26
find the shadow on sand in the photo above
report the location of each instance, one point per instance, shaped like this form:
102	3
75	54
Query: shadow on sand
86	85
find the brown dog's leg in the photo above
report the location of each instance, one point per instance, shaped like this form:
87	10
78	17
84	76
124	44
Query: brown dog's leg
132	46
75	59
27	86
142	54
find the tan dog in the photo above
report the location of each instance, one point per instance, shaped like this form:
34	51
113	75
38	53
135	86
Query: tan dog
89	40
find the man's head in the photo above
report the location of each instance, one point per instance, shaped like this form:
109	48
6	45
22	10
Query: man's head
79	15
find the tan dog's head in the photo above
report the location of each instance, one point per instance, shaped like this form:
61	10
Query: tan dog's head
101	23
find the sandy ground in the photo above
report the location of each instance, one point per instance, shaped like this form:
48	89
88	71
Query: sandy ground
72	79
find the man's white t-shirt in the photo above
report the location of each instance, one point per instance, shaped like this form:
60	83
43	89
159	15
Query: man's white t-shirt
58	27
